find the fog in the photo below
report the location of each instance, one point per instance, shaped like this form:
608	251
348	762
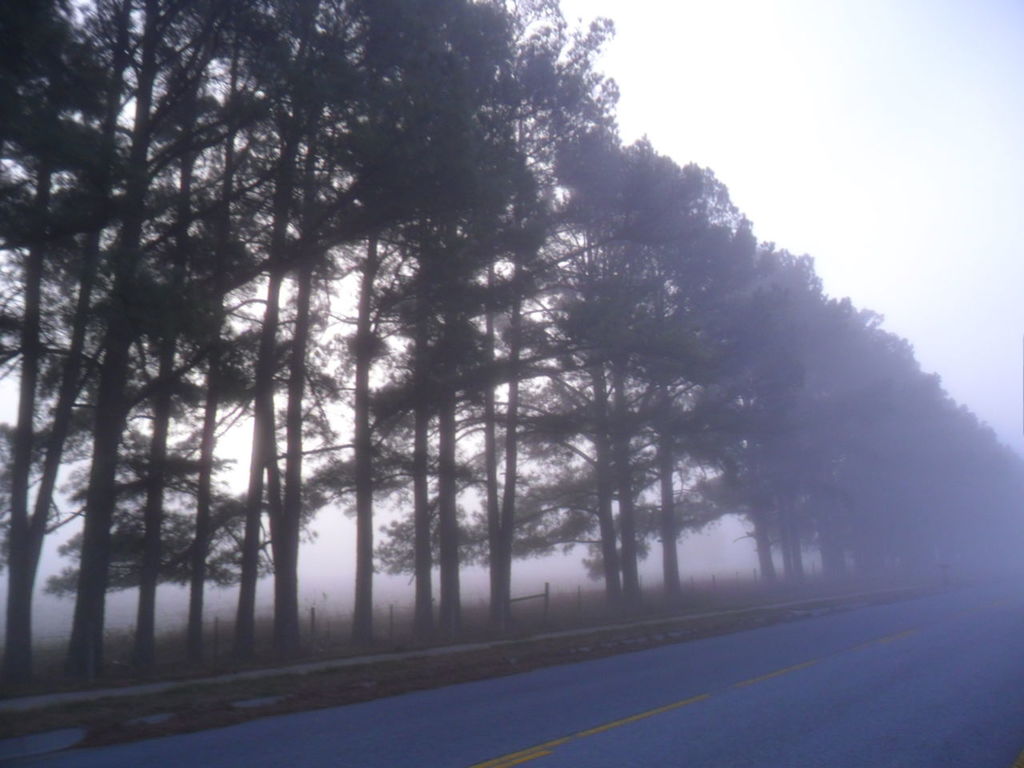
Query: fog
881	138
327	573
327	565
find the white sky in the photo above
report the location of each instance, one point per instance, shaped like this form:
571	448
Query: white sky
882	137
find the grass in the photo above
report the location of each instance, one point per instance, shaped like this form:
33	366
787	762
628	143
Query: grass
599	632
326	635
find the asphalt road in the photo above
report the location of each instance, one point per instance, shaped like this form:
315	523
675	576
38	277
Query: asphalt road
935	681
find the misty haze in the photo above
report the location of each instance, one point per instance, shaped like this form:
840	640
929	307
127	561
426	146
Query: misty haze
428	382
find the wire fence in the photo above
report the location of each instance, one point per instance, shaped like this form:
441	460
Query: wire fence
325	630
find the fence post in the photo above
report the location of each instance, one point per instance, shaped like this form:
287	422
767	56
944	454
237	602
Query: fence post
391	622
216	637
579	599
547	600
312	622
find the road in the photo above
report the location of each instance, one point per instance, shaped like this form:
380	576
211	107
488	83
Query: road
935	681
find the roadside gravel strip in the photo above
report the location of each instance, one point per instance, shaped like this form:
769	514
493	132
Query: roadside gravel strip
109	715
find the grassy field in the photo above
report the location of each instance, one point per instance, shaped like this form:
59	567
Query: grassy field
576	626
326	633
196	704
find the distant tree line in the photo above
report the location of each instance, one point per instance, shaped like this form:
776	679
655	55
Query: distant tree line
400	244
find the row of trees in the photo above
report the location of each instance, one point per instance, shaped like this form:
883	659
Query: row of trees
401	243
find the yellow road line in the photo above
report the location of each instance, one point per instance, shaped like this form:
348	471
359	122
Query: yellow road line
886	639
524	758
542	750
523	755
776	673
897	636
515	758
641	716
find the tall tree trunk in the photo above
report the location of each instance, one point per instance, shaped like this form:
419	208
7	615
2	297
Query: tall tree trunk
286	530
669	523
204	497
508	498
833	556
763	540
791	555
799	572
497	609
264	455
85	650
261	456
423	623
208	440
288	520
362	620
501	513
144	652
423	561
785	545
603	472
23	552
624	489
24	564
446	502
24	559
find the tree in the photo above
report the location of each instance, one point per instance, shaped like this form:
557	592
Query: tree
156	31
46	77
